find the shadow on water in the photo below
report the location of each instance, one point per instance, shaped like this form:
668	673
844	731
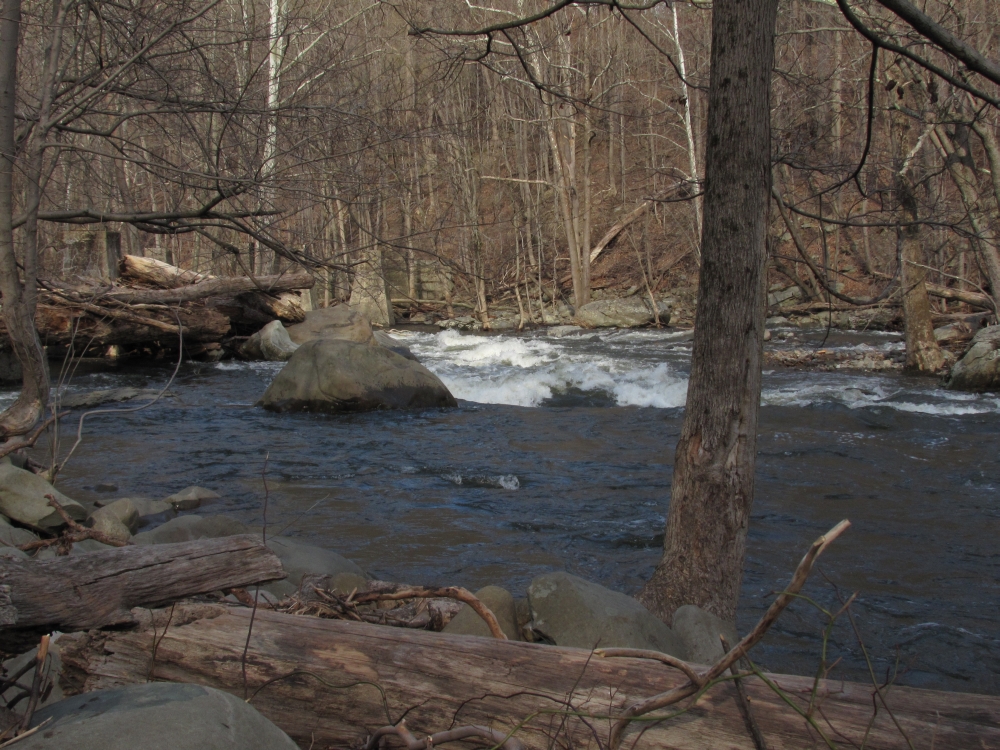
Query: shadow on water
498	493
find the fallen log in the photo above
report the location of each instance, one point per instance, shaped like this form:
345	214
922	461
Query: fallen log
158	273
219	287
333	682
273	296
101	588
84	325
976	299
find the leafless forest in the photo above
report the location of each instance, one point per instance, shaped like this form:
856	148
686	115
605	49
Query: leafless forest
530	166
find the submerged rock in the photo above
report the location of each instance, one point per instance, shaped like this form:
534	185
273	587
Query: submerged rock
626	312
155	716
573	612
190	498
22	498
338	322
271	344
501	604
329	375
979	367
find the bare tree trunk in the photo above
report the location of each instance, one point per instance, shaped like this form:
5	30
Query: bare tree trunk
368	293
713	480
922	351
18	316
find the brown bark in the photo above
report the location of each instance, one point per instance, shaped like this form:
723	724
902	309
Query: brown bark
17	313
319	680
713	479
923	355
216	287
100	589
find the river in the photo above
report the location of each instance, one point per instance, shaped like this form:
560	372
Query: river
560	456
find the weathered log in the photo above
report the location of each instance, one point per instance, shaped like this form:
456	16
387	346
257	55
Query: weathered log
276	299
211	288
157	272
321	681
79	325
100	588
976	299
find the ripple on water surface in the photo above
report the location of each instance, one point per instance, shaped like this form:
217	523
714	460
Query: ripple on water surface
560	456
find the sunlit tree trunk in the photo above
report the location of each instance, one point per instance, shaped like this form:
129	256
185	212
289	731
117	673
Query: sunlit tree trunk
713	479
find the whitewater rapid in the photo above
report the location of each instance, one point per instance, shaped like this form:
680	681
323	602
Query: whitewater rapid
649	368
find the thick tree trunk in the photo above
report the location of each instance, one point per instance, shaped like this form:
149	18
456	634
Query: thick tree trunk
99	589
18	316
325	678
713	480
923	354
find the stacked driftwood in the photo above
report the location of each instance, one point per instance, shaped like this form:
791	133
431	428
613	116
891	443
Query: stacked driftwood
151	303
334	683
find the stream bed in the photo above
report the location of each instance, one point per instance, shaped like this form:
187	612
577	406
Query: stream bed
560	457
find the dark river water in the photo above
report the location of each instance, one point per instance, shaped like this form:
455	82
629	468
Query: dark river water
560	457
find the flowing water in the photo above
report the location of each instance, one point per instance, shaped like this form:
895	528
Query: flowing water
560	456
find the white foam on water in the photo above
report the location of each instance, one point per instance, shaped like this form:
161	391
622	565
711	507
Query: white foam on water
529	371
498	481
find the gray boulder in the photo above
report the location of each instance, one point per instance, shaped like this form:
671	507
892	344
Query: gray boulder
146	507
300	559
627	312
22	498
191	497
338	322
393	345
979	367
155	716
573	612
271	343
330	375
11	536
110	526
500	603
124	510
189	528
699	631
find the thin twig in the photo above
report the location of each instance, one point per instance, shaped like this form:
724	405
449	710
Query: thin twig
689	689
744	702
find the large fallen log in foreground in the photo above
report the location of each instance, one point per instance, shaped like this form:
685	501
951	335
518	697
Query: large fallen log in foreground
331	683
101	588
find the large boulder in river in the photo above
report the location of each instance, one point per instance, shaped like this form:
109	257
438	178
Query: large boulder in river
154	716
338	322
22	498
573	612
979	367
330	375
624	312
271	343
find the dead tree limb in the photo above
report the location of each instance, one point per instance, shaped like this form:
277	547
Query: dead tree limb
100	588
